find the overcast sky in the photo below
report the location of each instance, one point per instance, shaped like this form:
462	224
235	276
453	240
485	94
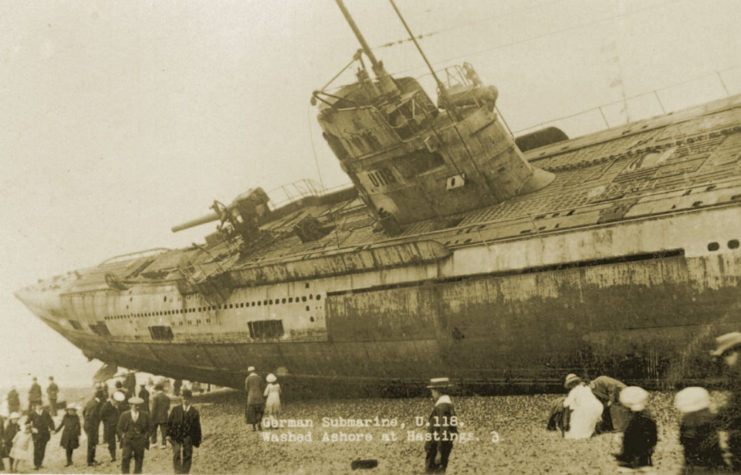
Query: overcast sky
119	119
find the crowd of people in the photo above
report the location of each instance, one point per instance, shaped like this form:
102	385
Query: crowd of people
711	441
129	420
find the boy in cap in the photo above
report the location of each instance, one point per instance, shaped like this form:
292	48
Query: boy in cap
441	427
135	428
640	437
727	348
698	430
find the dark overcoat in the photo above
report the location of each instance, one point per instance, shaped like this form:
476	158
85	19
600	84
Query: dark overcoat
10	432
109	415
182	424
71	431
254	387
44	425
135	432
160	408
91	414
639	441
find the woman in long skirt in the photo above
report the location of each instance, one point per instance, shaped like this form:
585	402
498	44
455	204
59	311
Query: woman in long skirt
586	410
272	393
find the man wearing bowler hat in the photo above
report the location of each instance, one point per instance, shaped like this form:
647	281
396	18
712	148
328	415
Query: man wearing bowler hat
441	425
135	428
728	347
184	433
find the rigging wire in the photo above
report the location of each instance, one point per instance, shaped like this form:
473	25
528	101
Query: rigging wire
457	27
330	211
538	37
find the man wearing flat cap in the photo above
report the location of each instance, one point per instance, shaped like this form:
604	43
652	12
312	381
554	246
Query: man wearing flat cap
441	425
91	414
184	433
728	347
135	428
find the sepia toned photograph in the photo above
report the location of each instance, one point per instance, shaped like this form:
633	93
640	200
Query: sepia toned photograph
370	236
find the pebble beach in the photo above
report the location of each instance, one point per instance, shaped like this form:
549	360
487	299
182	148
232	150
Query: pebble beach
502	434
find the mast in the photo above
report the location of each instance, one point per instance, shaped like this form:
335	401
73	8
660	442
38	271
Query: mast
385	81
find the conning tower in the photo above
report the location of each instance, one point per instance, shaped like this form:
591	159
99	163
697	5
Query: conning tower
412	159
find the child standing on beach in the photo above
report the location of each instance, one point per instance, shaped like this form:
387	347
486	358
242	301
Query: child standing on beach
640	436
72	430
272	393
698	430
22	450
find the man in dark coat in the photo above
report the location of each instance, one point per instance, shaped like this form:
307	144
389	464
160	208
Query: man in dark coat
184	433
442	426
91	413
52	391
109	414
14	400
160	411
728	347
144	395
615	416
134	427
255	399
34	395
130	384
176	387
42	426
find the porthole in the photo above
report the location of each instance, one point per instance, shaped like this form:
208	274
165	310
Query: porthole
264	302
733	244
713	246
303	299
270	301
290	299
283	300
307	285
318	297
311	296
311	319
253	304
307	308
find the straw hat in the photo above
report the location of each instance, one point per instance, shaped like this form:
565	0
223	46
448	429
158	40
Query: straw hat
14	415
634	398
726	342
271	378
71	407
251	369
571	379
119	396
692	399
439	383
136	400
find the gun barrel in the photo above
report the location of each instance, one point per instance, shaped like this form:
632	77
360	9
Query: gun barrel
196	222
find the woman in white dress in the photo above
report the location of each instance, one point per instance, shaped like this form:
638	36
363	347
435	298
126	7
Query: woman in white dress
586	410
272	393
